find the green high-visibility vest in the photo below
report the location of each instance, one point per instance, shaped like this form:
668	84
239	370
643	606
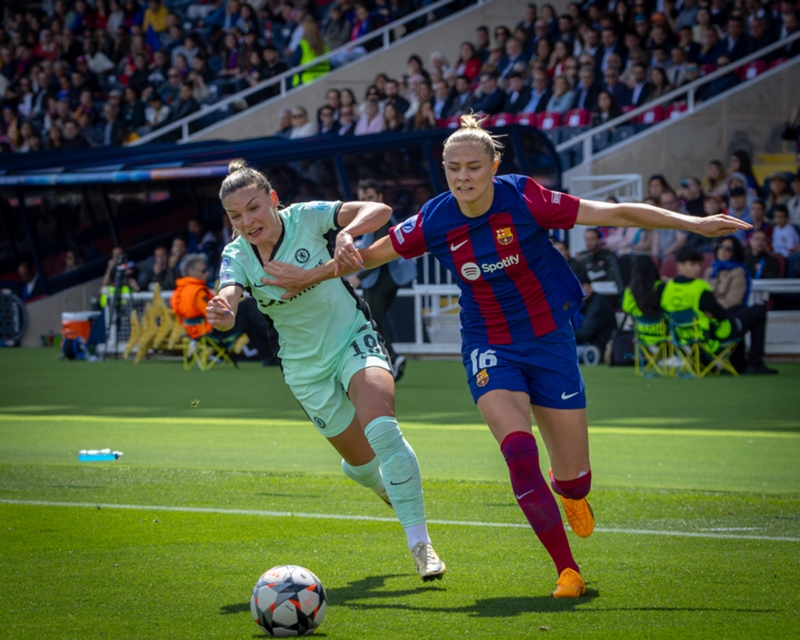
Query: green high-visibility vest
650	330
314	72
682	296
108	296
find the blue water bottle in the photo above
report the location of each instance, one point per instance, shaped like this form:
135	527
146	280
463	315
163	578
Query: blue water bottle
95	455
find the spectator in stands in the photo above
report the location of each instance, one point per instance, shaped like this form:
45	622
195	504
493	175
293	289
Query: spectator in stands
518	95
606	109
515	56
715	180
171	88
155	114
736	44
558	59
337	28
618	90
328	125
185	104
132	109
790	26
158	272
538	96
463	100
587	90
692	197
311	47
482	43
760	35
492	97
737	207
657	185
620	240
421	92
468	63
563	97
155	17
740	162
712	48
660	85
273	66
423	119
574	265
778	192
785	237
610	45
71	261
73	140
441	98
741	319
176	253
302	127
415	67
32	285
392	96
793	205
719	85
727	275
370	120
600	264
202	240
111	126
393	118
347	125
669	241
758	212
641	87
760	263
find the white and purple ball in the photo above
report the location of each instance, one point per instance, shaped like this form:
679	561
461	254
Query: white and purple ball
288	601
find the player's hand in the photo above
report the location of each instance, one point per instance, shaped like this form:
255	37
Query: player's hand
286	276
219	314
346	255
720	225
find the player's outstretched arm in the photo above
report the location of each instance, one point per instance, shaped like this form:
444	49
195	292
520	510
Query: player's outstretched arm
357	218
222	308
605	214
294	279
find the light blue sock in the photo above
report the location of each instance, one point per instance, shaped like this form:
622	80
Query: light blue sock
367	475
400	470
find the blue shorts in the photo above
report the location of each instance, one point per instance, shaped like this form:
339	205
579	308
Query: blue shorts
546	368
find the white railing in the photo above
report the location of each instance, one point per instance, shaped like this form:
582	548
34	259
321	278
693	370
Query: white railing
284	80
626	187
690	91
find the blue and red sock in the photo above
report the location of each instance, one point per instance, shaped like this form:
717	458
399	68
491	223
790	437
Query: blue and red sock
535	499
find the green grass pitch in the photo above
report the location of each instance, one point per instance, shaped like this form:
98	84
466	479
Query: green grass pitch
696	494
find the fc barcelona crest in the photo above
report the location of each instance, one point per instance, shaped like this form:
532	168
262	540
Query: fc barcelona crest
504	236
482	378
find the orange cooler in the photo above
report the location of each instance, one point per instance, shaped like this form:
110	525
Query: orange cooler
77	323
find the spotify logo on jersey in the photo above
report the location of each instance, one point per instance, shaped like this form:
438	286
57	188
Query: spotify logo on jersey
470	271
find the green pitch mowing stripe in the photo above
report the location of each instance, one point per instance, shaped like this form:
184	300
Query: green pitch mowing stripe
357	518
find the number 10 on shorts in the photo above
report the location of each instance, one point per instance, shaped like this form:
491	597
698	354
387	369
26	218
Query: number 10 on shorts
482	360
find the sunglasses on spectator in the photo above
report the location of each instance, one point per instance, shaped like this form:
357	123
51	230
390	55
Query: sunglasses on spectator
298	115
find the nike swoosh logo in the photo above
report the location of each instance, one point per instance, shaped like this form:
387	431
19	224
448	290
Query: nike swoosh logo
564	395
524	494
455	247
394	484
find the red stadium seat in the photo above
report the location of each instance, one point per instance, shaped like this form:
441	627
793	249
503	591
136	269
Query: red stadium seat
452	122
549	120
527	119
782	264
651	116
669	268
750	71
501	119
675	110
577	118
777	62
707	68
708	258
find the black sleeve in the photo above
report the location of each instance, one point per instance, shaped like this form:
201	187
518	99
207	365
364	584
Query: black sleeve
709	304
336	222
595	320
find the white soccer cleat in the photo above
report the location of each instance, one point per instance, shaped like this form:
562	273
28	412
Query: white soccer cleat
428	563
384	496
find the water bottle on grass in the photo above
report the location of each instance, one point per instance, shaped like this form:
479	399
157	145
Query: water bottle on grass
98	455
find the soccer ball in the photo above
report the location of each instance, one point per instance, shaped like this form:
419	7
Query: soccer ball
288	601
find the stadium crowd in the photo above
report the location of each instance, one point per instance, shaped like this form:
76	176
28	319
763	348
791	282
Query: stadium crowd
81	74
76	74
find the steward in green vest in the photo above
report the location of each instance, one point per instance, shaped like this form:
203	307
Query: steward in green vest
687	291
311	47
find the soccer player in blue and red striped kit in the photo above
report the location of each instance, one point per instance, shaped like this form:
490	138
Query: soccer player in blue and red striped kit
517	297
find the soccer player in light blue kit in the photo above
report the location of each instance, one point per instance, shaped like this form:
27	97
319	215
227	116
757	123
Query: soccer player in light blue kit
517	297
331	356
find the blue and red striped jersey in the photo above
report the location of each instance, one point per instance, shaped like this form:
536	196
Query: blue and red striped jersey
514	283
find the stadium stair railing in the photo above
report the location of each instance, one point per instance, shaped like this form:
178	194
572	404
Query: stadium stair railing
184	130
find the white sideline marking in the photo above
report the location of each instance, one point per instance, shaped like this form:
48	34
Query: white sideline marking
333	516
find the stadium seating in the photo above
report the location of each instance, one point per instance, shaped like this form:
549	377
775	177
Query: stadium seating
753	69
527	119
651	116
501	119
549	120
675	110
577	118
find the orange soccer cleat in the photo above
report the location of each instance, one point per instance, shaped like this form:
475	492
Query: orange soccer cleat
569	585
580	516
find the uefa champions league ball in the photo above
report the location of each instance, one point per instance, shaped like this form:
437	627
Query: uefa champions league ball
288	601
